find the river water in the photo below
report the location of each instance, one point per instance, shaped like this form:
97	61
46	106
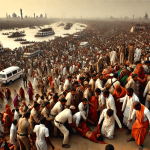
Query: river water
59	31
10	43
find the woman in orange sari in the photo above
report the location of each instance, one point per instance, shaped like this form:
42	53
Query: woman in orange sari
7	117
119	92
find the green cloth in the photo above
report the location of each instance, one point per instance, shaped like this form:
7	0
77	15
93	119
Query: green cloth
124	80
119	72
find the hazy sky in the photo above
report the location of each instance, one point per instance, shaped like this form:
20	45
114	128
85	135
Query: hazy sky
76	8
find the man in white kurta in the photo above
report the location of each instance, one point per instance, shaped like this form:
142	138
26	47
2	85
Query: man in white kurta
146	94
99	83
67	84
42	133
110	102
64	71
84	108
70	98
76	120
13	134
92	82
113	82
127	107
137	54
113	56
108	126
88	93
101	102
134	84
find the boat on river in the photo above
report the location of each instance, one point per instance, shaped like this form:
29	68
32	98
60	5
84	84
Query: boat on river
16	34
45	32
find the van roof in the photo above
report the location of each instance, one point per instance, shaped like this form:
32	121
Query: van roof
9	69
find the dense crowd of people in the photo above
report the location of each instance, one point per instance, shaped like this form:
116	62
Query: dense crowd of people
104	82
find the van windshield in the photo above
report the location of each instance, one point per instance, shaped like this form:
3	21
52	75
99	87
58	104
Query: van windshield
2	76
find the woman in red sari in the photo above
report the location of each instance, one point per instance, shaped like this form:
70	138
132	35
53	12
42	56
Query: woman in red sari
50	80
93	113
119	92
30	93
21	93
30	85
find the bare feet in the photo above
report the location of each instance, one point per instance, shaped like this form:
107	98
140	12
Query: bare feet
131	139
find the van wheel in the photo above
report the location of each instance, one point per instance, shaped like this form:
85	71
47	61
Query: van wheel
20	76
10	82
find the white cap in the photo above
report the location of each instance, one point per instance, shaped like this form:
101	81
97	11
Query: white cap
72	107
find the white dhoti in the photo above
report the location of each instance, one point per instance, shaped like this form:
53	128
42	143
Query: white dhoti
127	123
41	145
108	131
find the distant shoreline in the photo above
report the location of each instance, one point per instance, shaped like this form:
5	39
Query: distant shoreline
10	23
22	23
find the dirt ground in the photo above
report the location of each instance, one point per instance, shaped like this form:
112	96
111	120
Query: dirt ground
75	140
119	142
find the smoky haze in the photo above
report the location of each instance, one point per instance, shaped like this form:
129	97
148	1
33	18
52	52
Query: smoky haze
76	8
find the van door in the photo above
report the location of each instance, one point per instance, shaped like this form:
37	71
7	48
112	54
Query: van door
9	75
19	72
14	75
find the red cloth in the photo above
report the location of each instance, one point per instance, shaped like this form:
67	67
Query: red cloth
50	80
21	93
30	94
117	68
93	136
93	114
139	128
118	95
139	70
110	69
85	129
9	112
1	95
30	85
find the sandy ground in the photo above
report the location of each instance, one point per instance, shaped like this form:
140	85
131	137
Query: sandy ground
76	141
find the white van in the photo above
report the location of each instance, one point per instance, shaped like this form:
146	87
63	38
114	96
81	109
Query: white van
10	74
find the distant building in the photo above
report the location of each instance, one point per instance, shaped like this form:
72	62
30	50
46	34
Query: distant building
41	16
146	16
21	14
14	15
45	15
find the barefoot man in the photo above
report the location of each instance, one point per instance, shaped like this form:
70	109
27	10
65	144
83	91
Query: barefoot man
140	126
